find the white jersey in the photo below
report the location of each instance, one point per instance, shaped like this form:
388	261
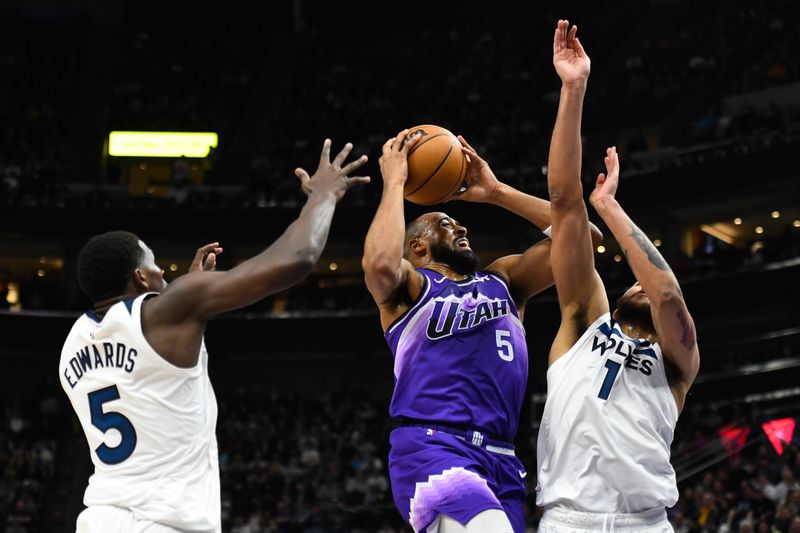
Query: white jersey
604	441
150	425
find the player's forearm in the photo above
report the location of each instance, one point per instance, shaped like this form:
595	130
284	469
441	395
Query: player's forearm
305	238
531	208
383	246
564	162
647	263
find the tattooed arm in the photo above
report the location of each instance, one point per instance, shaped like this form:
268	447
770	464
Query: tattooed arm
673	323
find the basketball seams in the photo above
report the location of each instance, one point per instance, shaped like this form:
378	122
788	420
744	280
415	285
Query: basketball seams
420	144
426	180
461	173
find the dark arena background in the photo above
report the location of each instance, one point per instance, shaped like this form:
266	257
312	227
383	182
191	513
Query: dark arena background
702	100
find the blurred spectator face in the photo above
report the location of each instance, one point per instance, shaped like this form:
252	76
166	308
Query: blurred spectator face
745	527
708	500
795	527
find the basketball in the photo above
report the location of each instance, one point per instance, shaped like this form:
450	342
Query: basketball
436	166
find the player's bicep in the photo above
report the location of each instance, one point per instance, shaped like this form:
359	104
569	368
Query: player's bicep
202	295
528	273
384	282
677	335
572	257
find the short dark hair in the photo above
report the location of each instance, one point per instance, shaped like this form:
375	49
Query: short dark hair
106	262
414	229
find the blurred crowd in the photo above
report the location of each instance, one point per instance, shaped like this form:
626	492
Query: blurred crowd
251	84
303	463
35	485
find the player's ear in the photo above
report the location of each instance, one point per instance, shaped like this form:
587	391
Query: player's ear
139	280
418	245
615	315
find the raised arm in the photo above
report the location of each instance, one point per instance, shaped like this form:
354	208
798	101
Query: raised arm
673	323
530	272
390	278
581	295
173	322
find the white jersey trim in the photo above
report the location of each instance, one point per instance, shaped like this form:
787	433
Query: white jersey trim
136	314
404	318
605	317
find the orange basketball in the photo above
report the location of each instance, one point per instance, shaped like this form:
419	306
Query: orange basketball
436	166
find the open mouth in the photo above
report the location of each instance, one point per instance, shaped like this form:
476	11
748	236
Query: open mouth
462	243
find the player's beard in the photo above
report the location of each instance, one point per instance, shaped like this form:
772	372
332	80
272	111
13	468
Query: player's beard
462	260
636	314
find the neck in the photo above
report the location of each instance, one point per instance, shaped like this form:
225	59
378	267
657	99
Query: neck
637	332
446	271
101	307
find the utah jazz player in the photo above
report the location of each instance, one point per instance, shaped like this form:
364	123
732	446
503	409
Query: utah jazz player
460	358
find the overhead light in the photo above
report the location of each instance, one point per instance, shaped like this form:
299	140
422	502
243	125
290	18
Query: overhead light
12	296
173	267
657	242
759	230
737	221
776	214
601	249
718	232
617	258
333	266
41	272
796	223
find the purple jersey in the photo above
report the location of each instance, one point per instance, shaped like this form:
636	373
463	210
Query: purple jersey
460	355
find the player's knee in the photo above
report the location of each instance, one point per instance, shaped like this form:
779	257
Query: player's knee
489	521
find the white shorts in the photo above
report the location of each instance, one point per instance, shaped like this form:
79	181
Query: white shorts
107	518
560	520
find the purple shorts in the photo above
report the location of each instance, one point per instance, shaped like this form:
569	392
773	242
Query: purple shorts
455	473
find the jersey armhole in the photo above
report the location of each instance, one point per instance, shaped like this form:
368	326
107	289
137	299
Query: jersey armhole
414	305
136	314
594	326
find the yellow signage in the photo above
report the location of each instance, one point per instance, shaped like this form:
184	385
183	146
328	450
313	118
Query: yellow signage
160	144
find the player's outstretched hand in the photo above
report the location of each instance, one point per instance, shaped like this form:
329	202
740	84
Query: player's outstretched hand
570	59
606	186
331	177
481	183
394	156
205	259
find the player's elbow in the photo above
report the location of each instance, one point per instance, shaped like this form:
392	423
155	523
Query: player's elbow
597	235
299	264
379	265
668	296
564	200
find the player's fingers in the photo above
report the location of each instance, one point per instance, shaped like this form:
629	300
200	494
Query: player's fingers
325	156
211	262
410	141
387	146
571	37
579	48
556	39
601	179
397	145
357	180
206	248
350	167
304	178
341	156
464	142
